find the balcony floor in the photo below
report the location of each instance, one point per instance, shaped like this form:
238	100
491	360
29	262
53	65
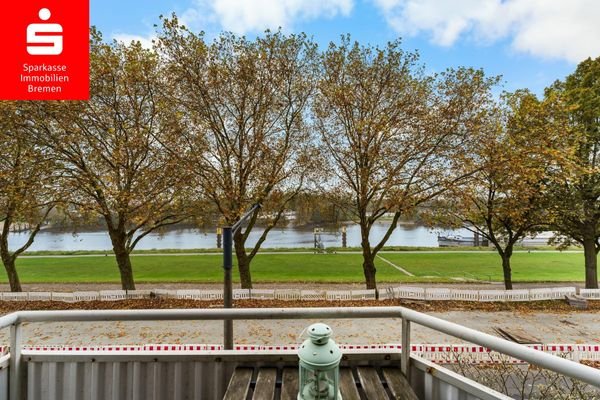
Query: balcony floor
355	383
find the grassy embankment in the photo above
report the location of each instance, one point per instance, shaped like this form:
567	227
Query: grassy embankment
284	250
340	267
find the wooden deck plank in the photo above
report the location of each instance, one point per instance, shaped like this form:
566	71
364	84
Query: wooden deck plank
239	384
265	384
289	384
398	384
348	388
516	335
371	383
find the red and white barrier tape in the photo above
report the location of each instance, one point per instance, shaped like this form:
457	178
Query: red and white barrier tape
439	353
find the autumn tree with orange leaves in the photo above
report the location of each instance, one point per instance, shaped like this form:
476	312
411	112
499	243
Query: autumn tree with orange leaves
29	184
576	199
110	148
245	107
394	136
520	152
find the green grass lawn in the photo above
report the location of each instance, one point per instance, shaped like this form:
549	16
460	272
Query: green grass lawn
552	266
526	267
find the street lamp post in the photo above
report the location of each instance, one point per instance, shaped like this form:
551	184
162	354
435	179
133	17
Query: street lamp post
228	232
227	283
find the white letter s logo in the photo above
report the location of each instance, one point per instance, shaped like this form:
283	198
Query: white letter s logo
38	40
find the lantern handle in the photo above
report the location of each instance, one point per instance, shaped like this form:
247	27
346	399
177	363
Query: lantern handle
300	339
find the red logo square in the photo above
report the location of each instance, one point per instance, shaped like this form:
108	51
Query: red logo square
46	50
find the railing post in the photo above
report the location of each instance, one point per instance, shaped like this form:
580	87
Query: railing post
16	386
405	356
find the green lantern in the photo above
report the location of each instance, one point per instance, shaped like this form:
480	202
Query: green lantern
319	365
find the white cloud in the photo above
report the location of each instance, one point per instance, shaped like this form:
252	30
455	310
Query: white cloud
560	29
127	38
243	16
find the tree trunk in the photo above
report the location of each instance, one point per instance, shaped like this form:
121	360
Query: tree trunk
369	271
591	262
243	261
119	241
368	260
11	272
507	272
8	259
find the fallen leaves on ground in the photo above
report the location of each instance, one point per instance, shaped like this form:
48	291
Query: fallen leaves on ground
557	306
591	363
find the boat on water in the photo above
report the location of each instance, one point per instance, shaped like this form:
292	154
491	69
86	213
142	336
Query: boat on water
541	239
455	240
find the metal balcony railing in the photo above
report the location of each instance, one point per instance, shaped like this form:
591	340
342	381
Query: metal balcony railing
17	371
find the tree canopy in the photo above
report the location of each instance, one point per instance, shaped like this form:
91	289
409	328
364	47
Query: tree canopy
110	148
576	205
246	133
393	135
30	183
517	155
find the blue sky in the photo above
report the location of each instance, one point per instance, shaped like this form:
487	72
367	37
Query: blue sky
530	43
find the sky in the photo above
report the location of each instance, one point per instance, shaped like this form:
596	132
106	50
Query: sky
530	43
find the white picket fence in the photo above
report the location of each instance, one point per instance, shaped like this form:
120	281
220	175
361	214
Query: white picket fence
590	293
400	292
417	293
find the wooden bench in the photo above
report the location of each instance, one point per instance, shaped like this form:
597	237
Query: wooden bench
355	384
577	301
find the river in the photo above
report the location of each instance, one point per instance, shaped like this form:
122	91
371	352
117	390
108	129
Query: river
404	235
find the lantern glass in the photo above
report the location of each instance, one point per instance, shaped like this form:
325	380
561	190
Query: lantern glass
318	384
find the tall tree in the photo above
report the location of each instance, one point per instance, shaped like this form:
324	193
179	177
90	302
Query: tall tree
28	184
110	148
518	154
245	103
577	199
393	135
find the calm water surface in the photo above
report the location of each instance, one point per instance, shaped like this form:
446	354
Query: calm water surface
404	235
